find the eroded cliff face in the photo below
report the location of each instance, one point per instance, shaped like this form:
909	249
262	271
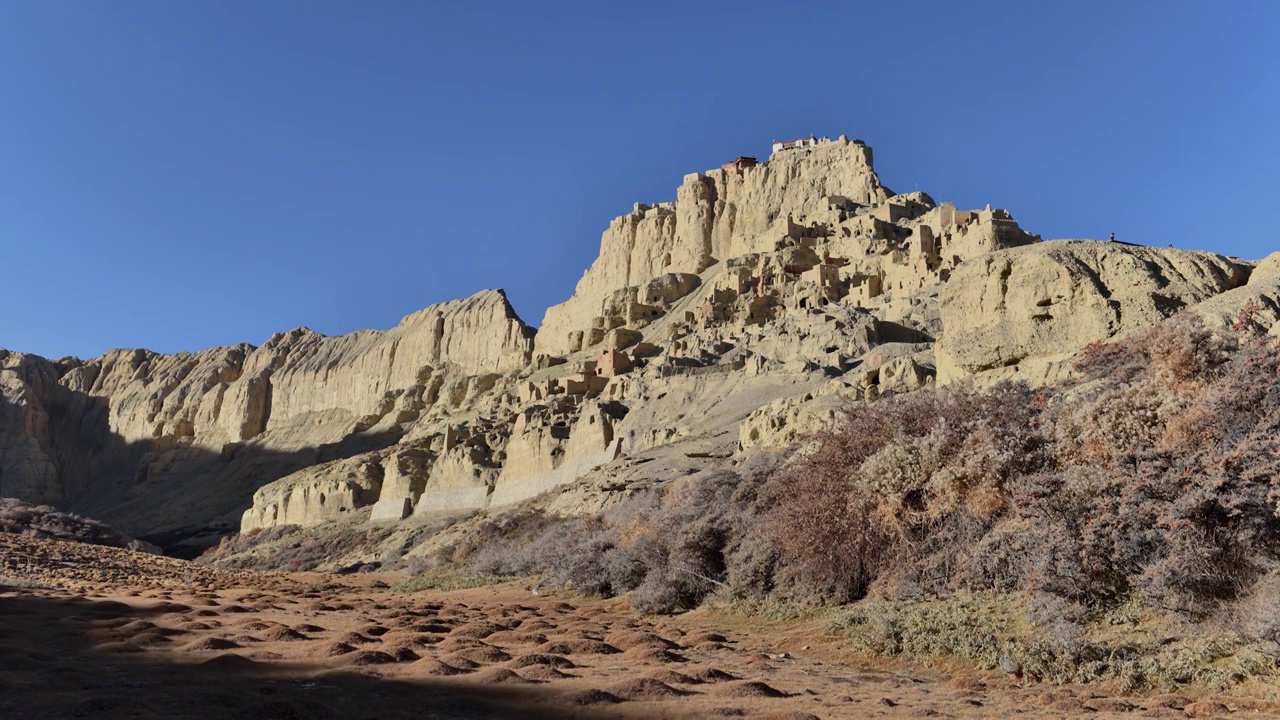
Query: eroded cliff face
170	444
716	215
1024	313
743	315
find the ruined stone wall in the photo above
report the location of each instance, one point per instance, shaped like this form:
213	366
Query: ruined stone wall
716	215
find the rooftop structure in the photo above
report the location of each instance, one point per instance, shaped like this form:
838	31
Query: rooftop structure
742	161
796	143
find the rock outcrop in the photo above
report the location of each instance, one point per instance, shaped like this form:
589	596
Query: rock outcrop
1256	304
716	215
1022	312
167	444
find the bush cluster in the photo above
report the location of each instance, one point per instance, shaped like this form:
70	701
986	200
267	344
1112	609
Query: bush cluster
43	521
670	548
1152	474
293	549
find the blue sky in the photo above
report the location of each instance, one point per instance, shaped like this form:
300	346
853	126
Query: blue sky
177	175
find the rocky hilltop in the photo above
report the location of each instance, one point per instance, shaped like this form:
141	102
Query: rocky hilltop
738	316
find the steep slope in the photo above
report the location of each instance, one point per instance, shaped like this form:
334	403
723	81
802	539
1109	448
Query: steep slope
161	444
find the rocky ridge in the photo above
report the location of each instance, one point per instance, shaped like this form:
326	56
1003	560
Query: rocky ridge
739	316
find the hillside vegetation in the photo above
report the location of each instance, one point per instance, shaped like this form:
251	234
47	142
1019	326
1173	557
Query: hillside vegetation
42	521
1011	525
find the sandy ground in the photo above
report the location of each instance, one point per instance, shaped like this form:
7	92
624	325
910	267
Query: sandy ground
105	633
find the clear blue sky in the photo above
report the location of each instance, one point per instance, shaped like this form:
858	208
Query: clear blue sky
177	175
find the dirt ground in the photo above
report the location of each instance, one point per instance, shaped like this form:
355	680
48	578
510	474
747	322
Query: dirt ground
92	632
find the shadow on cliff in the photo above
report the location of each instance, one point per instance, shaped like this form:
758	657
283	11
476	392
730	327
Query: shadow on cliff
53	663
167	491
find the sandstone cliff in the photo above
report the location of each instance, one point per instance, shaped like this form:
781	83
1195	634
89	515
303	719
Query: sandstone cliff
716	215
743	315
1021	313
160	444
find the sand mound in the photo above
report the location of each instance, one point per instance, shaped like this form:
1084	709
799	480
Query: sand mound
374	630
649	653
577	647
554	661
644	688
257	625
211	643
432	666
432	628
671	677
370	657
263	655
235	609
702	637
517	637
403	653
335	649
451	644
308	628
593	696
229	661
713	675
483	655
751	688
499	676
196	626
543	673
283	634
149	638
460	662
423	640
628	639
353	638
477	630
136	626
118	648
108	607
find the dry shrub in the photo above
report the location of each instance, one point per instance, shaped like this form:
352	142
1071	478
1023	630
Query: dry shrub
294	549
46	522
901	488
1154	472
670	547
1150	479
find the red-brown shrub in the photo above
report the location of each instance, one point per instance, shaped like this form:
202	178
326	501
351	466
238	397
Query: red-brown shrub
901	487
1154	471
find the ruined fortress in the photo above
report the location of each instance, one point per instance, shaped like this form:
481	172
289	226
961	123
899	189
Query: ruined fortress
741	314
